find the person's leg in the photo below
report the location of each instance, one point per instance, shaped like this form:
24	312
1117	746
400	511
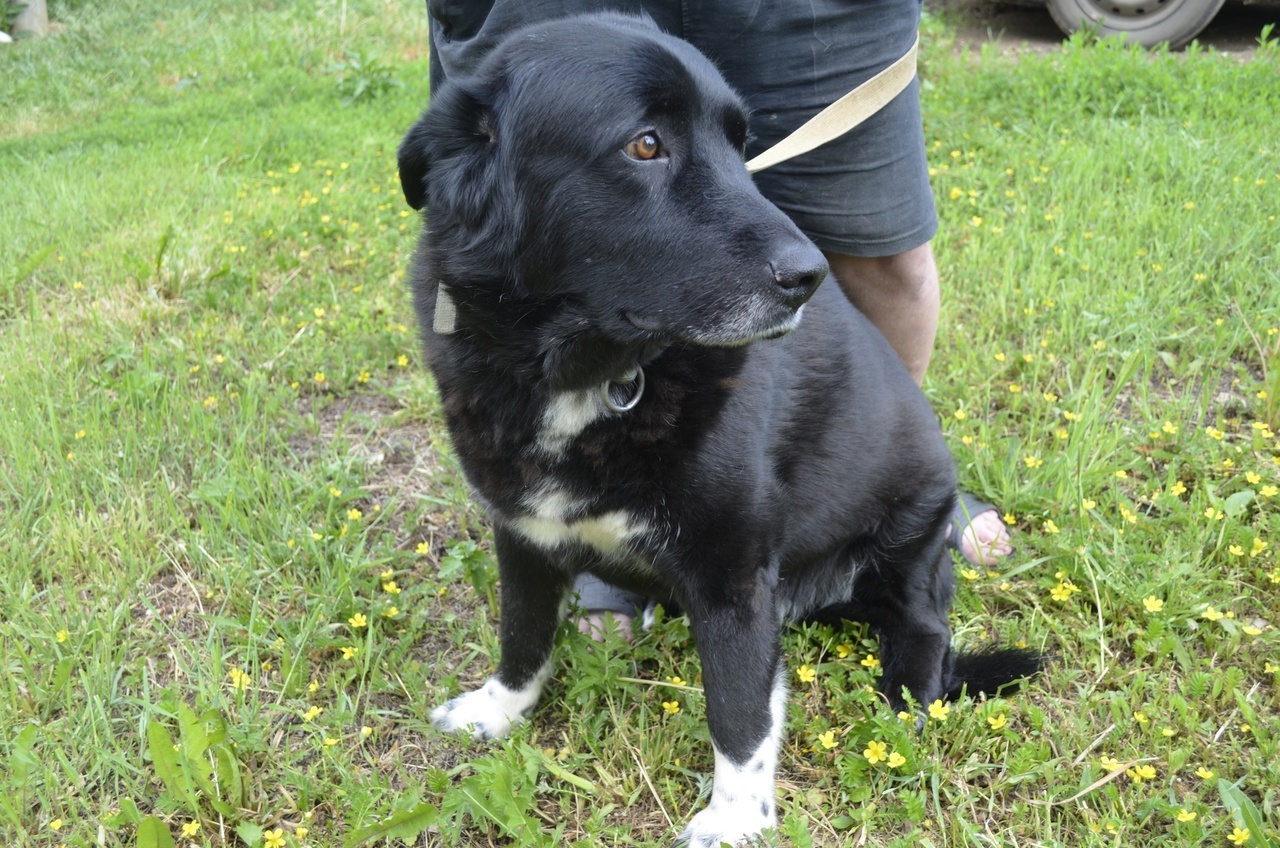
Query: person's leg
899	294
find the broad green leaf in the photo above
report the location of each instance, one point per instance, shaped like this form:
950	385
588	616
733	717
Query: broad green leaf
1236	504
405	826
169	767
152	833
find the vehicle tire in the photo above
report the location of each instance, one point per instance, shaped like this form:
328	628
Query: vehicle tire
1146	22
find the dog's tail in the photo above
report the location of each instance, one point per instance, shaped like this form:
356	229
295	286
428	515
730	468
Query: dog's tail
992	670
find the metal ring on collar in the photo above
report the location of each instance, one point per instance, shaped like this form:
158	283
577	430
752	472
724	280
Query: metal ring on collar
634	380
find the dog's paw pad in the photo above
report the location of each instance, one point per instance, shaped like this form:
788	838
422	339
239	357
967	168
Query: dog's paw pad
477	712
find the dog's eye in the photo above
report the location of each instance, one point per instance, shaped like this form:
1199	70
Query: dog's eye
644	147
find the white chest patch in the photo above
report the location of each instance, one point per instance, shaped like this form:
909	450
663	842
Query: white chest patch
556	520
566	416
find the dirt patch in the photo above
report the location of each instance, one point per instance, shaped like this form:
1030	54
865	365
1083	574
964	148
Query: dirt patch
1023	27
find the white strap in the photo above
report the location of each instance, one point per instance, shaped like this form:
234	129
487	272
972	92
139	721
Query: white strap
845	114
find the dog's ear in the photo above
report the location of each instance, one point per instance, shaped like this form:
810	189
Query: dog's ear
446	157
413	161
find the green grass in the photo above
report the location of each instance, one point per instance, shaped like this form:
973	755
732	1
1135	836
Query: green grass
218	450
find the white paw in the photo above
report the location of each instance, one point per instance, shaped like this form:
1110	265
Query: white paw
738	823
477	712
490	711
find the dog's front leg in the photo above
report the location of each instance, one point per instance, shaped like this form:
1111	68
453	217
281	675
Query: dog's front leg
533	588
745	685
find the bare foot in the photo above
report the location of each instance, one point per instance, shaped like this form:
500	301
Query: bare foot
596	623
986	540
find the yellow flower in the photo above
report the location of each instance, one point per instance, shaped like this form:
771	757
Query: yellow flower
961	415
301	832
358	620
1239	836
1015	388
329	741
828	740
806	674
844	650
319	377
671	707
1140	717
366	731
896	760
968	574
1152	603
239	680
335	493
312	713
1185	815
997	722
391	611
676	680
1250	630
1269	491
349	652
1088	504
190	829
1178	488
1204	773
1169	427
402	360
939	711
1032	461
1214	433
1235	550
1213	514
354	514
1142	773
871	661
62	636
1049	526
390	587
273	838
1063	591
1122	474
56	824
422	548
876	752
1258	547
1211	614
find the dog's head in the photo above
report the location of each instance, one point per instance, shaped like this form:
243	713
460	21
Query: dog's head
596	163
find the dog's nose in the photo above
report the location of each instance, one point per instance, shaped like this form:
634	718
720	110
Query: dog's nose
798	271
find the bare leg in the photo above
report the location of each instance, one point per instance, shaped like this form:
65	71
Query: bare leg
900	295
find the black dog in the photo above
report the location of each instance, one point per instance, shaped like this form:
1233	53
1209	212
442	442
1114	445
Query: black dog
631	391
